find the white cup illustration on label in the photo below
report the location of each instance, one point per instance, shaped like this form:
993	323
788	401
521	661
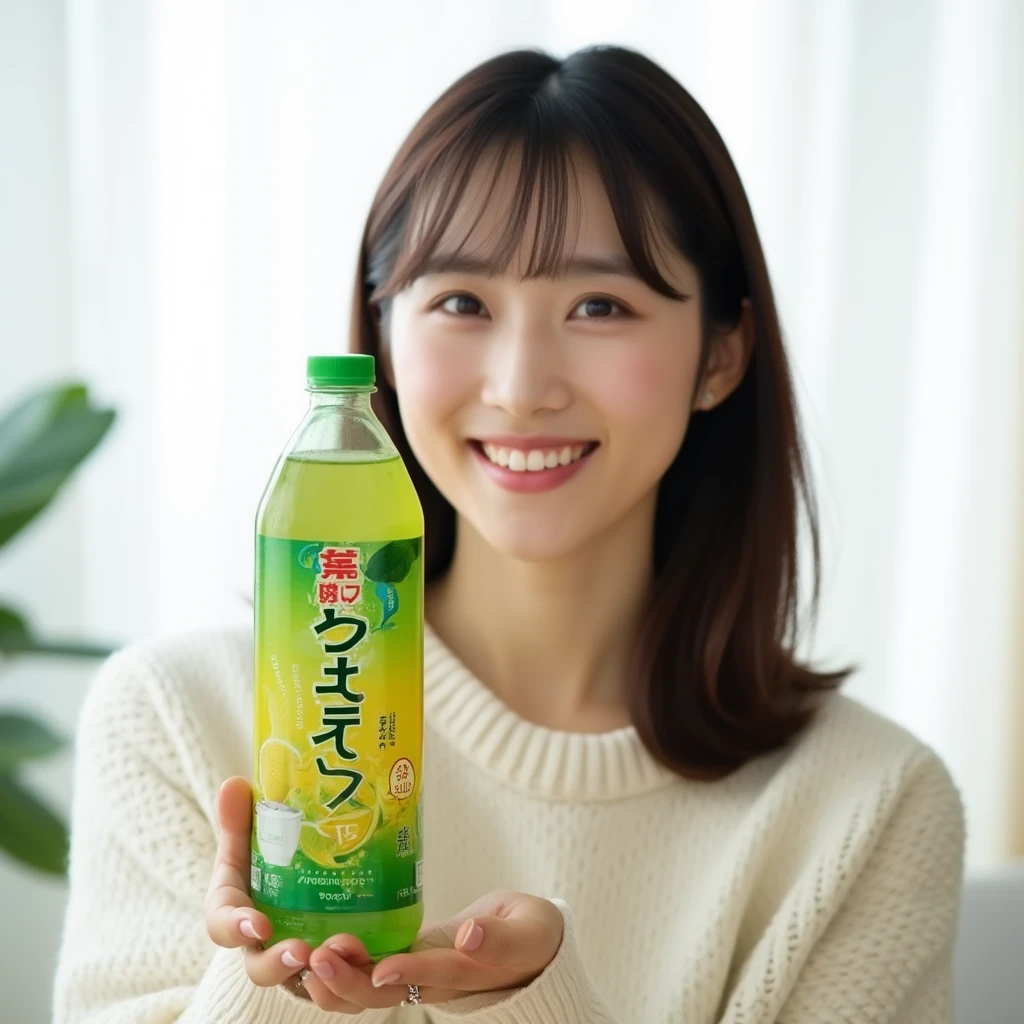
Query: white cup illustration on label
277	831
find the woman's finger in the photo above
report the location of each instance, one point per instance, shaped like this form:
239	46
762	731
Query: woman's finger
491	952
524	941
441	969
350	948
230	916
320	994
238	926
276	965
333	975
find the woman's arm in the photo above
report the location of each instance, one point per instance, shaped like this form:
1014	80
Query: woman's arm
135	947
886	956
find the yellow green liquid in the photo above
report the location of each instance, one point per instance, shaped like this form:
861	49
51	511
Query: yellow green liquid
342	500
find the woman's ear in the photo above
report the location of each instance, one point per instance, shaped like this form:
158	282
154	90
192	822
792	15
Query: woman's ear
727	361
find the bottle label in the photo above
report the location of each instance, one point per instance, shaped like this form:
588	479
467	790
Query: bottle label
338	725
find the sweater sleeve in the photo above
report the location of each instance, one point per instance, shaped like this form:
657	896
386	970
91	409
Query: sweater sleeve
886	956
134	948
562	992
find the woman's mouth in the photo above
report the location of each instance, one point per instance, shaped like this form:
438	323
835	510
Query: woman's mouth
531	464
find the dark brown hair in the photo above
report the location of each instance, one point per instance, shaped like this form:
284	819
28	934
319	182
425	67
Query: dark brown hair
717	680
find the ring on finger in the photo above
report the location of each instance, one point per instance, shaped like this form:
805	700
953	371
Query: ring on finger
414	996
298	984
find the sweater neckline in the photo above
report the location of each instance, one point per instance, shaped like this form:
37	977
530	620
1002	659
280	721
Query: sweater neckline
546	763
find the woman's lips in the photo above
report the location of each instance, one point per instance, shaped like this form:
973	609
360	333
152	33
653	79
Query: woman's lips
532	481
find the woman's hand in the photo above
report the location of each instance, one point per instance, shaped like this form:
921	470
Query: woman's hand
502	941
231	919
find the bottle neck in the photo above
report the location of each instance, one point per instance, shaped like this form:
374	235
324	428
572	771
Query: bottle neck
354	399
341	419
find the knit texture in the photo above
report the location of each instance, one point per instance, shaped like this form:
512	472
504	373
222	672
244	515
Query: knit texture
818	883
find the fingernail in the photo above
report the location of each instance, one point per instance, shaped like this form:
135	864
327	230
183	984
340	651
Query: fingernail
289	961
323	969
389	980
470	936
246	928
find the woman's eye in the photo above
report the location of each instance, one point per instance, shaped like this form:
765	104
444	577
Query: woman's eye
597	308
462	305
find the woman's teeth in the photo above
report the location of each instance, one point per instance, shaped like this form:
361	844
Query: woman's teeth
534	460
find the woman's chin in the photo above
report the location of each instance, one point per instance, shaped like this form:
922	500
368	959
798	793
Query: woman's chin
539	543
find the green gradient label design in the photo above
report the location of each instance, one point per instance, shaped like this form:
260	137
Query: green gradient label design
337	822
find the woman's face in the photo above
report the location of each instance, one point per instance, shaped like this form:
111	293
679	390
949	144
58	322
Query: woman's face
545	410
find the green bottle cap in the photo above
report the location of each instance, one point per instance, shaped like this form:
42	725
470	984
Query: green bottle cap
354	370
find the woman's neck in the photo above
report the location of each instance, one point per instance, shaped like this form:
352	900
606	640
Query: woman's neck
551	639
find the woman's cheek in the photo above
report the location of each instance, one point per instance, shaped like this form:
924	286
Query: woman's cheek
644	385
428	384
431	376
432	394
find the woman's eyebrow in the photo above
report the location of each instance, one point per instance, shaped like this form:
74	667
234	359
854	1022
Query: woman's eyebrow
460	263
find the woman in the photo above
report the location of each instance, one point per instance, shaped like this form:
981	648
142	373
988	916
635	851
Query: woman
642	806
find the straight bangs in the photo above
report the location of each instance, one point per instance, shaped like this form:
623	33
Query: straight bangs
458	180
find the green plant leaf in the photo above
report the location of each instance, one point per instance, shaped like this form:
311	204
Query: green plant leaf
60	648
33	416
23	499
391	564
16	637
42	440
23	737
29	830
14	631
61	447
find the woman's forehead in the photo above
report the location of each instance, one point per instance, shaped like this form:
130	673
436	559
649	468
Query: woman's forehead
502	216
476	236
509	214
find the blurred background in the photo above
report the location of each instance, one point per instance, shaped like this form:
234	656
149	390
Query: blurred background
182	191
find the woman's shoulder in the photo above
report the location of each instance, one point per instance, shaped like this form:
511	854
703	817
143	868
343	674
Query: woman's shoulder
850	759
190	691
845	731
205	662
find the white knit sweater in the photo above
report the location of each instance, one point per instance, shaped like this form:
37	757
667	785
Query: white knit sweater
819	883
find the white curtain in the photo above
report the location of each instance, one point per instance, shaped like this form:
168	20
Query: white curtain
222	157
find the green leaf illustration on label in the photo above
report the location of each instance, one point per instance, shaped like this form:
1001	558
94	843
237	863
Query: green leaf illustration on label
388	597
391	564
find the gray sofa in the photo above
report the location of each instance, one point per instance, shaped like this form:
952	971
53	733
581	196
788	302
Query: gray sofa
990	948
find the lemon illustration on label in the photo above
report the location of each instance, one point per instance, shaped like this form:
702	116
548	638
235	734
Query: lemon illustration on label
329	839
326	788
350	830
316	846
279	764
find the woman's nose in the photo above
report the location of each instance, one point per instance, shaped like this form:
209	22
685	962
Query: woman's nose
525	374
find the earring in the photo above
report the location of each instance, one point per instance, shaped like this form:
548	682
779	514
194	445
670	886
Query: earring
708	400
